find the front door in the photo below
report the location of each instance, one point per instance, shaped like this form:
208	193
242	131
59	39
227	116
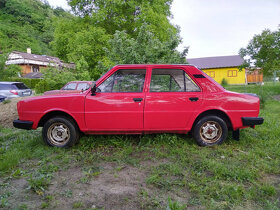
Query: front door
172	100
118	105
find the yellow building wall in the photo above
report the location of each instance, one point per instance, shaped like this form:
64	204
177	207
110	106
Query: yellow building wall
232	75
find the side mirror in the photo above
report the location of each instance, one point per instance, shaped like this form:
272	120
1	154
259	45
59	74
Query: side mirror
93	90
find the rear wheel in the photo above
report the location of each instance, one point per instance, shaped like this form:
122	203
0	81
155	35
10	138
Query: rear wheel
60	132
210	130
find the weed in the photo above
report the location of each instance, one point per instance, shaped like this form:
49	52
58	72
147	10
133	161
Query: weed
175	205
78	204
6	101
38	184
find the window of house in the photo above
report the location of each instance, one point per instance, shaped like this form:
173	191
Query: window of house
124	80
211	73
172	80
35	68
232	73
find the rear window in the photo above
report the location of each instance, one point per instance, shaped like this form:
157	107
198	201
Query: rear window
20	86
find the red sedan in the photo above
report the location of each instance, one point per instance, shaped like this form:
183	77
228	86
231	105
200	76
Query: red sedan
142	99
71	87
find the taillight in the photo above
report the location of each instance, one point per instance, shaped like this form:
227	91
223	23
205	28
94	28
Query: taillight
14	92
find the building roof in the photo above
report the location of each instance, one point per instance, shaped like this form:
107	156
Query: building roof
17	57
33	75
216	62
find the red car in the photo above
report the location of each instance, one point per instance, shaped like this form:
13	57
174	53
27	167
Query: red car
71	87
142	99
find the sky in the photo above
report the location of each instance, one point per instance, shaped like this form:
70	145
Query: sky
218	27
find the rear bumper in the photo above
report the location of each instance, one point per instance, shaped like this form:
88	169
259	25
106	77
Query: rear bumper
251	121
23	124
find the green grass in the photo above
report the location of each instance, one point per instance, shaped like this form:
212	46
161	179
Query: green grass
237	174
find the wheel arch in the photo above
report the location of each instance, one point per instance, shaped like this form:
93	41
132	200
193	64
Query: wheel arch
215	112
52	114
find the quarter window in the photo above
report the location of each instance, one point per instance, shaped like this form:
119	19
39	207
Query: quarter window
172	80
126	80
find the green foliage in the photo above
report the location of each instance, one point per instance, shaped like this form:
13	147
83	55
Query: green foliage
145	48
27	23
77	40
263	51
113	15
224	82
118	32
7	71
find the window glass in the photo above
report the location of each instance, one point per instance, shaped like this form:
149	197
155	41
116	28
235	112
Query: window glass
70	86
83	86
125	80
171	80
20	86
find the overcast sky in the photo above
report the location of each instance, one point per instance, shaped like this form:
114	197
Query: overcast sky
218	27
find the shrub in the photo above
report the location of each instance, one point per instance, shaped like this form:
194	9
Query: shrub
42	86
224	82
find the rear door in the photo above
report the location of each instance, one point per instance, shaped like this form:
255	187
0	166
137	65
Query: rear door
172	100
118	104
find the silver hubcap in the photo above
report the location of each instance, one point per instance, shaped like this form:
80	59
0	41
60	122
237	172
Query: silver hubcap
210	131
58	134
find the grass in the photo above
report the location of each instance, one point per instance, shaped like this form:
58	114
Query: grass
234	175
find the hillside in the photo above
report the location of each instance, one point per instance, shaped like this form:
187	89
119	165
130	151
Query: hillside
28	23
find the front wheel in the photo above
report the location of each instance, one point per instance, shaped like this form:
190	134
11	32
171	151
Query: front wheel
60	132
210	130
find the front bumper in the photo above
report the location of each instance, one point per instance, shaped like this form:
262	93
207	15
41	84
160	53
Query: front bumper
23	124
251	121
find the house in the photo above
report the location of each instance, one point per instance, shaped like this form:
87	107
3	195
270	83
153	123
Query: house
32	64
222	67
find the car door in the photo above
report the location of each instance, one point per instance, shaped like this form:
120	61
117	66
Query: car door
172	100
118	104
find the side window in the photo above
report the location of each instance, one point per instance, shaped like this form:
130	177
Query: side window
70	86
83	86
126	80
172	80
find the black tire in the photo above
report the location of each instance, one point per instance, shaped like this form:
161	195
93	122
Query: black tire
210	130
60	132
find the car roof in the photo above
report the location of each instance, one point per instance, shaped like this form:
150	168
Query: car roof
80	81
146	65
9	83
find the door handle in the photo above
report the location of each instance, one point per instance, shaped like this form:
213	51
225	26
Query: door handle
138	99
193	98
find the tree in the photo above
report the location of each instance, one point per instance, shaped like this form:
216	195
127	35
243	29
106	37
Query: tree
145	48
75	38
129	16
27	23
263	51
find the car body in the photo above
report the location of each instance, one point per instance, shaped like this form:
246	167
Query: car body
2	98
142	99
71	87
14	89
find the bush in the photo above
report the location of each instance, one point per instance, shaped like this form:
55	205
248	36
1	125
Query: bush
9	71
224	82
42	87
